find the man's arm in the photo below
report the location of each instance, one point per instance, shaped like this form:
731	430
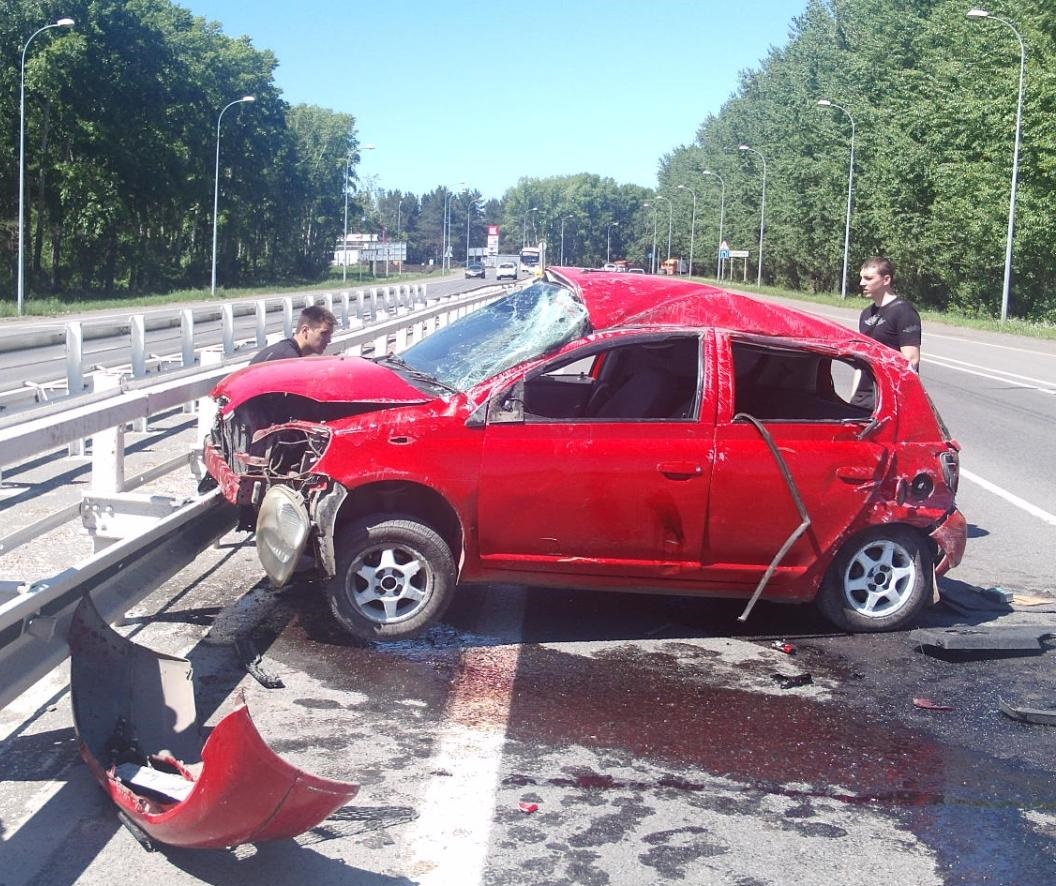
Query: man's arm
912	354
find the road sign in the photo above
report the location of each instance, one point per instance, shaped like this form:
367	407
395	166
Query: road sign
724	253
738	253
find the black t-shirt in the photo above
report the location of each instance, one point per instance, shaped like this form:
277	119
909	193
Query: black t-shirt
896	324
281	350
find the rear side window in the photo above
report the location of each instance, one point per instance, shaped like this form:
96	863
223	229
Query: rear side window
784	384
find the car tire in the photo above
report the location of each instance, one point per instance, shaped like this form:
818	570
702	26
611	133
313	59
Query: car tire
879	581
395	577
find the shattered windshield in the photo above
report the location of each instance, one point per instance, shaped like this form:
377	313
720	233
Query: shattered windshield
521	325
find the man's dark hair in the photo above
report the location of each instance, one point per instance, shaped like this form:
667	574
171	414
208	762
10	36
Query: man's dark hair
884	266
316	316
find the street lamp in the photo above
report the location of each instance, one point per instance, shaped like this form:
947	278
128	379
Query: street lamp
722	218
61	23
762	211
825	103
216	179
608	239
524	226
563	220
652	267
692	225
446	227
344	243
670	219
982	13
473	204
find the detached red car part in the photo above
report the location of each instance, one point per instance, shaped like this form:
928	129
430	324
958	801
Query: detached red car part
138	732
602	431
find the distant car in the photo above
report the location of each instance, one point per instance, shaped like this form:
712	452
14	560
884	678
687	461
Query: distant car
636	270
506	270
591	432
609	266
475	269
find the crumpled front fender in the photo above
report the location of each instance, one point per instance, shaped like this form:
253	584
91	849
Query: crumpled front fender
134	710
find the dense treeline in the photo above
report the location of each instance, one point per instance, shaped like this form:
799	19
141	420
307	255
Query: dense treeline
933	96
121	117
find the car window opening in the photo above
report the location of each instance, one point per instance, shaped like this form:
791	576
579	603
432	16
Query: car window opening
775	384
647	380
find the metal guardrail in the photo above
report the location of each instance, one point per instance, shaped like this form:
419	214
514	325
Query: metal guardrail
35	614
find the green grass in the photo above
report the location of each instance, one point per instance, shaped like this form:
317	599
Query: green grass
56	307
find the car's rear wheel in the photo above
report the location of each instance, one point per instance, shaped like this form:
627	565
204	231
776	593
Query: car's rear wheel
395	577
880	580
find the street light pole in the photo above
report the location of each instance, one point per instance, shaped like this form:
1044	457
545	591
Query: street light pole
524	226
982	13
216	179
61	23
722	219
344	243
652	268
825	103
563	220
608	239
762	211
469	211
692	225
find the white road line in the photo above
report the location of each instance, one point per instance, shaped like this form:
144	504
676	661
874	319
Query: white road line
1012	499
449	844
1004	377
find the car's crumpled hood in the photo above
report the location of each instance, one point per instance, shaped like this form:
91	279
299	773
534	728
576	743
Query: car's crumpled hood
325	379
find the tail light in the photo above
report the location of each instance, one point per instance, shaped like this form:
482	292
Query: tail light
951	469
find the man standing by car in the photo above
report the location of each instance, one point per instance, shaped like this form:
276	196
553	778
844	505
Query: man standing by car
890	319
315	328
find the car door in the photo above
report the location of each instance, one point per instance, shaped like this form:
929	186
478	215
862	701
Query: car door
611	492
803	396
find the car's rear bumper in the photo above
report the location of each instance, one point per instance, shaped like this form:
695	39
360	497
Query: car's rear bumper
950	535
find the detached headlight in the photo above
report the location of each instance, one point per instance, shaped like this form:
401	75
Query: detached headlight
282	532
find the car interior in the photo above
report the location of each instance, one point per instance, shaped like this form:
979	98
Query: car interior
780	384
655	379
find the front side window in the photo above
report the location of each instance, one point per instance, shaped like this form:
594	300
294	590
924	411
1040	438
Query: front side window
785	384
517	327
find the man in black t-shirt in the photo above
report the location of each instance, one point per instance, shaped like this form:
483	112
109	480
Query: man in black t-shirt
890	319
315	327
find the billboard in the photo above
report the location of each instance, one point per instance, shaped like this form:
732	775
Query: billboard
493	239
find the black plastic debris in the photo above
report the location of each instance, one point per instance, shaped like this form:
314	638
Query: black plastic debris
253	662
791	682
999	639
1039	716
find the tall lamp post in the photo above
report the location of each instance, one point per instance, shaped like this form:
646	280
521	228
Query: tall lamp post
473	205
692	225
825	103
524	226
982	13
652	268
216	179
608	239
722	218
563	220
670	219
344	243
61	23
762	211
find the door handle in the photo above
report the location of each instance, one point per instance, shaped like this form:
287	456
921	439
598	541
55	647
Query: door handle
680	470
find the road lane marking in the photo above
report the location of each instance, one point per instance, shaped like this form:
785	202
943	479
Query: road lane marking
1003	376
1011	498
449	844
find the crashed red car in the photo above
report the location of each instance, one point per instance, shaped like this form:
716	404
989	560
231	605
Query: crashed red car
603	431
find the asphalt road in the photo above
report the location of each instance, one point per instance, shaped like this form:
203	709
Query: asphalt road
544	736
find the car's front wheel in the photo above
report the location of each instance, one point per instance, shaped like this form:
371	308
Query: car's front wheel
880	580
395	577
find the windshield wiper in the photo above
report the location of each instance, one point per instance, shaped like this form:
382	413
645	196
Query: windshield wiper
413	372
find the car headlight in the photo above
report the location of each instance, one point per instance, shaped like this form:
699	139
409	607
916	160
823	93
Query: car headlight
282	532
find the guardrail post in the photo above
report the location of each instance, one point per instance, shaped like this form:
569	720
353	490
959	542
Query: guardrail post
108	447
262	323
74	373
309	300
227	323
287	317
187	337
360	306
343	319
138	331
328	301
206	413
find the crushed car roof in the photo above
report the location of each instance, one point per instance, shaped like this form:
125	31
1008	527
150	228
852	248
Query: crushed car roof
615	299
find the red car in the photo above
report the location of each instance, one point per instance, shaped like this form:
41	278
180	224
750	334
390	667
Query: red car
604	431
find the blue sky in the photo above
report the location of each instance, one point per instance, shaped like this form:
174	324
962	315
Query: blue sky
486	93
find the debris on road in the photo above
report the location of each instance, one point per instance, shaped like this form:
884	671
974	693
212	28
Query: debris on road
791	682
927	704
528	808
253	662
1038	716
1002	639
783	646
